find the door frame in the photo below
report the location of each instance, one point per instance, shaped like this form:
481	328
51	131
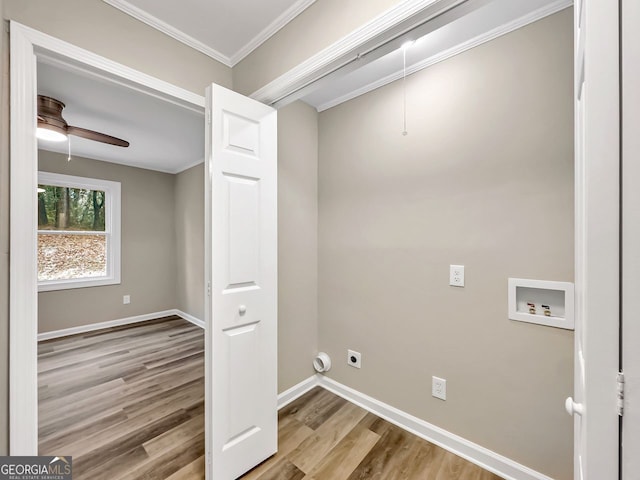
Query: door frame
597	235
26	45
630	463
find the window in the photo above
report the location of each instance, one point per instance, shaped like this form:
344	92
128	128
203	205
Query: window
78	232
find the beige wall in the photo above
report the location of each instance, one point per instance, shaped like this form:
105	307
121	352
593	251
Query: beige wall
102	29
484	179
297	243
318	27
189	232
148	249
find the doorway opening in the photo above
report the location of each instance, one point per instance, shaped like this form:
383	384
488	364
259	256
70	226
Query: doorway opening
161	173
120	280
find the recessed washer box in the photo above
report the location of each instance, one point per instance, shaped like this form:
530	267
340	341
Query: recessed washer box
543	302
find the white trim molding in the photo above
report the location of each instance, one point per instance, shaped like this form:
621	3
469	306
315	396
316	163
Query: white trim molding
270	30
92	327
56	51
388	30
189	318
169	30
295	392
476	454
229	60
392	22
23	269
485	37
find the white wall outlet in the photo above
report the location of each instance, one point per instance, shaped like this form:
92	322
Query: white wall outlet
456	275
439	388
126	299
354	359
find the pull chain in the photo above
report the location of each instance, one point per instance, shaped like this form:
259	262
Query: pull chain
69	147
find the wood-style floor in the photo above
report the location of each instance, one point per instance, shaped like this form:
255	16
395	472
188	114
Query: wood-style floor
324	437
125	403
128	403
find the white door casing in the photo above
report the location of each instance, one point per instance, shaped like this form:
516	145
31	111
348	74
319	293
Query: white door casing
241	166
596	240
630	237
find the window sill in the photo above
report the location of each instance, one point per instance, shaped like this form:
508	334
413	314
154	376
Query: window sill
79	283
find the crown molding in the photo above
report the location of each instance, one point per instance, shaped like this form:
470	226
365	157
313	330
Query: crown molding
230	61
167	29
58	52
503	29
273	28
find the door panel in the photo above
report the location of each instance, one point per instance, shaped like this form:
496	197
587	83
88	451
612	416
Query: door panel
242	168
244	231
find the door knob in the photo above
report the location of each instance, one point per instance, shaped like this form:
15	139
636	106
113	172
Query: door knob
572	407
242	309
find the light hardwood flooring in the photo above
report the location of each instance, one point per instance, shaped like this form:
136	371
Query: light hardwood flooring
125	403
128	403
324	437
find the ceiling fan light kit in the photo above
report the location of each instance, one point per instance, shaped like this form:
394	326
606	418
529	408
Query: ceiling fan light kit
52	126
50	133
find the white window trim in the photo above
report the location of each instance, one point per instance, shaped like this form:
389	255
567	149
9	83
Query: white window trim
112	229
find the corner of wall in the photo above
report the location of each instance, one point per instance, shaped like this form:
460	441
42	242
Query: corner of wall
297	242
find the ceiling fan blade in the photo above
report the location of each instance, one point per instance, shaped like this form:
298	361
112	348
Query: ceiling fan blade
96	136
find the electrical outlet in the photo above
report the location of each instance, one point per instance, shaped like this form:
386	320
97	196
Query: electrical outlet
354	359
456	275
126	299
439	388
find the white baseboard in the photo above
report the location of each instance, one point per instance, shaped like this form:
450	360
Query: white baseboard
288	396
189	318
119	322
109	324
483	457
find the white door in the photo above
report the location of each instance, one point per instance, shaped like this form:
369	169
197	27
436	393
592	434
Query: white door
597	156
631	237
241	169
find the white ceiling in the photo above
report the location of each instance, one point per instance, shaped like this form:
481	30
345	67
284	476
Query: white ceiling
226	30
163	136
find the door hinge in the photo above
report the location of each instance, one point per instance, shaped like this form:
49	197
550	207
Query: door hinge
208	289
620	392
209	117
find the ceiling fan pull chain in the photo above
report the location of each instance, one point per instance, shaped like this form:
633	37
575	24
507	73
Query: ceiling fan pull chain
69	145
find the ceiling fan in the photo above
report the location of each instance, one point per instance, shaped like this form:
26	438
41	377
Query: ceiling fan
52	126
